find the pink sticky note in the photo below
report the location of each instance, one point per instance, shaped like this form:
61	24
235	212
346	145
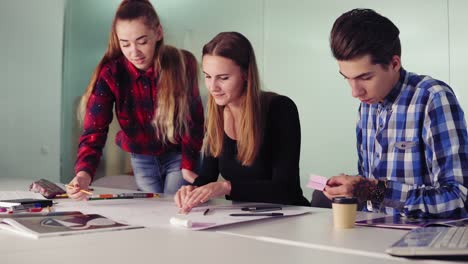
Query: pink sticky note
317	182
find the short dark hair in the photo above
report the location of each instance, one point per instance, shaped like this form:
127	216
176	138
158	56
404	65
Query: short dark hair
361	32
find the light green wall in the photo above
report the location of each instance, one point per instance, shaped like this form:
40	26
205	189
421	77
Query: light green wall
87	24
31	76
298	63
459	50
291	43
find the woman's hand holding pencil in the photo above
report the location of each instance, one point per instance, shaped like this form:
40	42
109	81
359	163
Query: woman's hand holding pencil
77	189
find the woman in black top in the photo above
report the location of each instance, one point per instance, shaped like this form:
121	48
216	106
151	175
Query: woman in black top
253	138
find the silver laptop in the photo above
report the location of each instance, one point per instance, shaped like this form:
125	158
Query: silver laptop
432	241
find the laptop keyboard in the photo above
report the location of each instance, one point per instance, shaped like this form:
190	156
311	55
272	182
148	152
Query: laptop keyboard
453	237
432	241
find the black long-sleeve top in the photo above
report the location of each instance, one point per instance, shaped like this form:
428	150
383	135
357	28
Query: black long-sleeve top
274	175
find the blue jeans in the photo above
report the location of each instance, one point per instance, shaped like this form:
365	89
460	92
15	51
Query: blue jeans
158	174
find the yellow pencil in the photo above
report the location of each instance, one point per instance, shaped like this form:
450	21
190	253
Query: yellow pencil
83	191
61	195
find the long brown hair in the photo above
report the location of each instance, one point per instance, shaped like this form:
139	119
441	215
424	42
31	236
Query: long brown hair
172	108
236	47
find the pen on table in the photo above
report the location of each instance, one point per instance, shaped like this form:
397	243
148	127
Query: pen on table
259	214
139	195
123	196
64	195
106	197
206	211
83	191
25	206
261	208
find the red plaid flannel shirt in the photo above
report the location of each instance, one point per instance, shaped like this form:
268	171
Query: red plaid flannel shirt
134	93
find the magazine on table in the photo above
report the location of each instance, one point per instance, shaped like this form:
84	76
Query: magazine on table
408	223
58	224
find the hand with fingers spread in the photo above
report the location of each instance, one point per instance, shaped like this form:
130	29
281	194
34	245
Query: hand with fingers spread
199	195
81	181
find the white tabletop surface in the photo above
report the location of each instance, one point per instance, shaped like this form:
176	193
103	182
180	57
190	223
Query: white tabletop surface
308	238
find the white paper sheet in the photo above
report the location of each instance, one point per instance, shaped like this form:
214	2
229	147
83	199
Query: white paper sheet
221	216
10	195
158	212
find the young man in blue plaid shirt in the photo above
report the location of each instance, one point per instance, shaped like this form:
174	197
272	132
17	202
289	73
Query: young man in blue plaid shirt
412	139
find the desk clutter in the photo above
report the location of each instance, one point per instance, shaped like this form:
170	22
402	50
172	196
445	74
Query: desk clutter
29	214
23	201
24	205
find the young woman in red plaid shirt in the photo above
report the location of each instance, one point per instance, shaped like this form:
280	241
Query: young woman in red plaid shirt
153	90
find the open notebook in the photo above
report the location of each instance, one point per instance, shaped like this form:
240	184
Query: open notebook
435	241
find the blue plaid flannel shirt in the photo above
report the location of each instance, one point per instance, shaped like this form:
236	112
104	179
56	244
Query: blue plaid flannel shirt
417	140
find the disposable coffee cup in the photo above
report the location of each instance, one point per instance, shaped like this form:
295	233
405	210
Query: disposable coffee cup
344	212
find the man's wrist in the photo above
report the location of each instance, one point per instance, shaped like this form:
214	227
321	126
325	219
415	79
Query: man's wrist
378	194
364	188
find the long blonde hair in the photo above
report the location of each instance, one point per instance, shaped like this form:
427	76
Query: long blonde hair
172	107
236	47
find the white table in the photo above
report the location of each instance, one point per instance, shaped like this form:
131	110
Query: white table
299	239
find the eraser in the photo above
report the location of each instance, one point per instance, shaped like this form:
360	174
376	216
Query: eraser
180	222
